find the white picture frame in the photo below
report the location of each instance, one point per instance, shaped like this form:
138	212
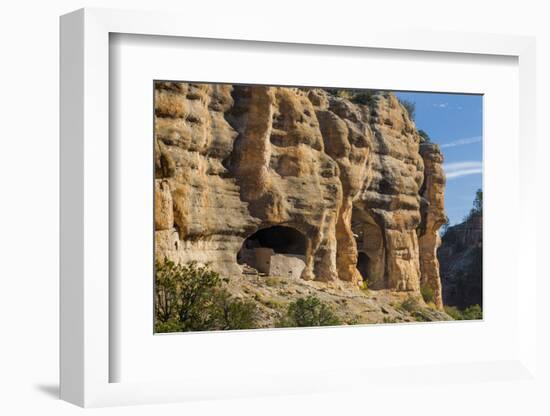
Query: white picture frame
85	353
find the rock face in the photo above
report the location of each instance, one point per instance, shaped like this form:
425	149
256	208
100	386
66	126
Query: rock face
433	217
460	256
387	212
347	173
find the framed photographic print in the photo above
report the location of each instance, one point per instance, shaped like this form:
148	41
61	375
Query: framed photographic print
281	206
269	214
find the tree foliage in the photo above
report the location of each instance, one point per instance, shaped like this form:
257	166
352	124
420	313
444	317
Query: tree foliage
309	311
424	135
477	208
410	107
428	294
410	305
473	312
365	97
478	202
233	313
190	297
340	92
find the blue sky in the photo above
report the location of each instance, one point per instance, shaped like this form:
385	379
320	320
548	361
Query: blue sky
454	121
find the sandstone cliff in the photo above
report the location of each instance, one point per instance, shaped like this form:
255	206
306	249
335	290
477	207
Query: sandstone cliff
348	173
433	217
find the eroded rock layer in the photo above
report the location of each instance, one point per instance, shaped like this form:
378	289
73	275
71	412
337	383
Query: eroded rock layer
433	217
348	174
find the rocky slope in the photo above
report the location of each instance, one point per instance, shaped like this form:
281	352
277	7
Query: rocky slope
349	173
460	256
352	306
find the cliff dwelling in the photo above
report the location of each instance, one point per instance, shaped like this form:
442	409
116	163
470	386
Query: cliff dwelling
275	251
242	170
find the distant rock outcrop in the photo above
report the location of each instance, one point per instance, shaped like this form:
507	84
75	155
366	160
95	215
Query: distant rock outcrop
348	174
460	257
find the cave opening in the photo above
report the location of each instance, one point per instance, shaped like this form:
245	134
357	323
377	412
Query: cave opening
277	250
363	265
280	239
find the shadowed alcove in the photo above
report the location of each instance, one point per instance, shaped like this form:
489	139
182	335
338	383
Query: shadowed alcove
277	250
363	265
371	256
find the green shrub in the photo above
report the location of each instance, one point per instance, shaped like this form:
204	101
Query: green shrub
470	313
366	97
190	298
340	92
410	305
172	325
473	312
183	294
232	313
453	312
310	311
428	294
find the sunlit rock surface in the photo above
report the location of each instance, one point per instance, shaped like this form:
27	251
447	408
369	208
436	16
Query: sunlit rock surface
350	175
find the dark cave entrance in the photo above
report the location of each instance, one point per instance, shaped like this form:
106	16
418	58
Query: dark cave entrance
280	239
276	250
363	265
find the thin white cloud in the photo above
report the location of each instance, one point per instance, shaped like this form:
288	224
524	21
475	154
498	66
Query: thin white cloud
461	173
466	164
461	142
441	105
459	169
